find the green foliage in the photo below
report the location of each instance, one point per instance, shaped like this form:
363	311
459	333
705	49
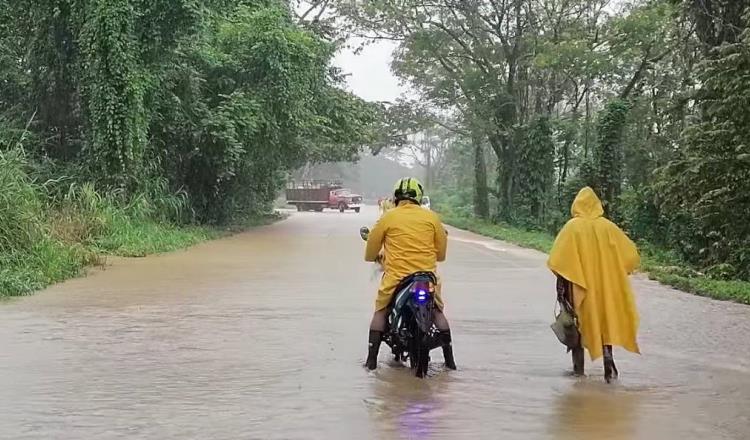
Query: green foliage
129	237
738	291
455	202
246	103
667	267
535	176
646	103
642	217
114	86
710	181
45	263
608	154
211	100
29	257
20	205
139	116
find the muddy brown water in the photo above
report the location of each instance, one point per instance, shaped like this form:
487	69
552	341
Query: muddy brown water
261	336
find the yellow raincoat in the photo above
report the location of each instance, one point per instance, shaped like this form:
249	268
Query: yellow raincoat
413	240
385	206
596	257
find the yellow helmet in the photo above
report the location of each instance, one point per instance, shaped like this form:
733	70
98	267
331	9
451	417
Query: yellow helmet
408	188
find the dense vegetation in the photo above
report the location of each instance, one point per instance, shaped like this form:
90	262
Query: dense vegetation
124	122
125	125
645	100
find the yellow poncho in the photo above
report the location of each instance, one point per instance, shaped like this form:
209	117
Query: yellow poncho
596	257
385	206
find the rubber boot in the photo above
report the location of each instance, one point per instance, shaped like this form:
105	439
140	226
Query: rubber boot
610	370
447	344
373	349
578	361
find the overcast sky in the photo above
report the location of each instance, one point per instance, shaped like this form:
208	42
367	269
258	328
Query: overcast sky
369	72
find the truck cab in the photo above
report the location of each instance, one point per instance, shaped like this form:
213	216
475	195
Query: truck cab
344	199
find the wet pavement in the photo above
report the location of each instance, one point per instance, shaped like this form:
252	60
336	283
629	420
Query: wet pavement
261	336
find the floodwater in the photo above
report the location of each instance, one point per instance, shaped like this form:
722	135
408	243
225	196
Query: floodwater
262	336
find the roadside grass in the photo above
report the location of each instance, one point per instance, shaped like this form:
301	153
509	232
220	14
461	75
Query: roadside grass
47	262
51	260
659	265
538	240
51	234
138	237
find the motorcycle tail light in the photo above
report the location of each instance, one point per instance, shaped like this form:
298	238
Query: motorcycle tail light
421	291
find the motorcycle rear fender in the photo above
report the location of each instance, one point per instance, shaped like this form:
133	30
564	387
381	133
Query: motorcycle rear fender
423	314
405	297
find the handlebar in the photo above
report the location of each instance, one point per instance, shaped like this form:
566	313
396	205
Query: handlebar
364	232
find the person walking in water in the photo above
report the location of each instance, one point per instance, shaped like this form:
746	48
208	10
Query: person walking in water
592	258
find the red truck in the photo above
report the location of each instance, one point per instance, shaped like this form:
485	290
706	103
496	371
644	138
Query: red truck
317	195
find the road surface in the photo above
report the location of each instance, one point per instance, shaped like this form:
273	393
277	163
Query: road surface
262	336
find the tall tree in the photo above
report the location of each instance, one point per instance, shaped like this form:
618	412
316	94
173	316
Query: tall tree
709	182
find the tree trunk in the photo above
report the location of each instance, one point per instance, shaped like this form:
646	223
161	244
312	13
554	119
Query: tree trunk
505	187
504	149
428	167
565	165
586	125
563	171
481	193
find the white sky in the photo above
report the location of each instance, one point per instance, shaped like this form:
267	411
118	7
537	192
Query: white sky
369	72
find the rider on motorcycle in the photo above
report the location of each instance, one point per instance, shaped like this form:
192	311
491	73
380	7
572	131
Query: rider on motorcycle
413	240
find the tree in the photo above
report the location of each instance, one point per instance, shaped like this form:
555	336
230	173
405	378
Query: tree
710	180
535	176
608	155
217	98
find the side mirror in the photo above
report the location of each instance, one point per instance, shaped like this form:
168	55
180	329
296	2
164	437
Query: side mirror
364	232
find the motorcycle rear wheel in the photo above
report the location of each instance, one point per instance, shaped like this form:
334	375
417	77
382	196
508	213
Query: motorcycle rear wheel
419	355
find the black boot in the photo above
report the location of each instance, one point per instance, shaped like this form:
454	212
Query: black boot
446	343
610	370
372	351
578	361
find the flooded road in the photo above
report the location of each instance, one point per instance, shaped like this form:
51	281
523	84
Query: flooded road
262	336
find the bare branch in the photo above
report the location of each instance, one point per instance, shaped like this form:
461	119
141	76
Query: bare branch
313	5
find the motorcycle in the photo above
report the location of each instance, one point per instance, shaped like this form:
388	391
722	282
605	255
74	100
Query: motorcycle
410	330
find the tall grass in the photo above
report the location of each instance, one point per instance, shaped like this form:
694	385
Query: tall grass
29	257
20	205
49	232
